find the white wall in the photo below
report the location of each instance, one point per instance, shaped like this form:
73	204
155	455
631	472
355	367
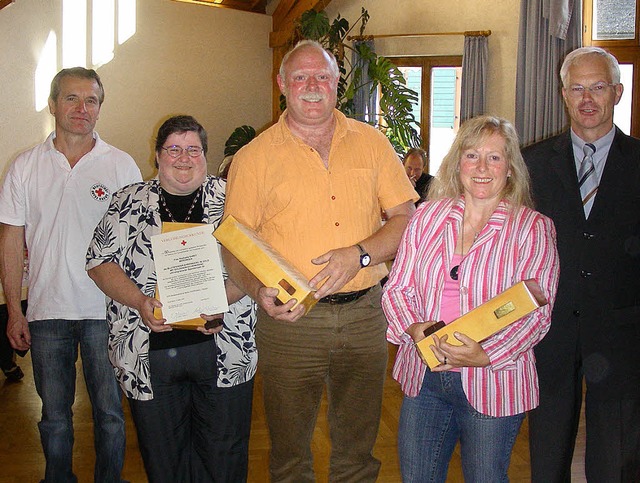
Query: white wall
212	63
215	64
424	16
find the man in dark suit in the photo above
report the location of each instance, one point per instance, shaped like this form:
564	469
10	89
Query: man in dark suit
414	162
588	181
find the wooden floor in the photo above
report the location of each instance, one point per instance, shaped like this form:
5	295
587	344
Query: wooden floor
21	459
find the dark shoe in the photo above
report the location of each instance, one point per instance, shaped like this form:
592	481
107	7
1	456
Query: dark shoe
13	374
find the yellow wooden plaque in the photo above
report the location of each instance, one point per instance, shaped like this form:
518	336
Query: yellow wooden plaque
268	266
490	317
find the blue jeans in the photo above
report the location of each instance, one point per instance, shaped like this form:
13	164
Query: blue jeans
431	424
54	352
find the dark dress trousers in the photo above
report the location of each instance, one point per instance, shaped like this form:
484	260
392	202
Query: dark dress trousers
595	329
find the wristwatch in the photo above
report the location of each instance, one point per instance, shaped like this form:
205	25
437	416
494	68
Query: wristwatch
365	258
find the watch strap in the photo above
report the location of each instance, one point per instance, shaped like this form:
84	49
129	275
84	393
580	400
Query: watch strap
365	258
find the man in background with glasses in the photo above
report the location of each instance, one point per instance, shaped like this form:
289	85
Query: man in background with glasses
587	180
53	197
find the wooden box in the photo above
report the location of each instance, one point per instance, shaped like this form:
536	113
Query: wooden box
488	318
267	265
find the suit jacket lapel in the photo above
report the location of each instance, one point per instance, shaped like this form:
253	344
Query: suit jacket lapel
611	176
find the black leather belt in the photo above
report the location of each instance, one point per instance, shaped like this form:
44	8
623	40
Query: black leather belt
344	297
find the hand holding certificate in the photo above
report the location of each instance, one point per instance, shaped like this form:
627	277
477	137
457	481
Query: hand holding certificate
189	274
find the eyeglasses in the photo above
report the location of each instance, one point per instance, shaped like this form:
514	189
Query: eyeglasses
176	151
597	90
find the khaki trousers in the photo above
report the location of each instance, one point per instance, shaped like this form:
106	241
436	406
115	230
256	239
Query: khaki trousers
342	348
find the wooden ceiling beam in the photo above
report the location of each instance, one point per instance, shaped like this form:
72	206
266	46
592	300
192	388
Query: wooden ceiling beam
256	3
257	6
280	38
285	7
288	11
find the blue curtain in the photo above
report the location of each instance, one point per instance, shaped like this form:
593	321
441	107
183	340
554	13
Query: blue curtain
364	101
475	64
549	30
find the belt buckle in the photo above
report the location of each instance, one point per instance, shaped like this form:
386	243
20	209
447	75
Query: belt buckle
338	299
343	298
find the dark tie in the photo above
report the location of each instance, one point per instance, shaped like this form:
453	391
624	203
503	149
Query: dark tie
587	178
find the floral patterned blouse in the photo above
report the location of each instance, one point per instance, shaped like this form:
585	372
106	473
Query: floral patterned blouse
123	236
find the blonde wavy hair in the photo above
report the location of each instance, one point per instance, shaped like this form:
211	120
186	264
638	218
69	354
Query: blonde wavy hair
472	134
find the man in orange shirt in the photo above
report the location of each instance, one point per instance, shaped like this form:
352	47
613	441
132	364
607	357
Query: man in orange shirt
313	186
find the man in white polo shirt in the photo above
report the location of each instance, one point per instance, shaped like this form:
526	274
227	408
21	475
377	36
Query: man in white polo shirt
53	197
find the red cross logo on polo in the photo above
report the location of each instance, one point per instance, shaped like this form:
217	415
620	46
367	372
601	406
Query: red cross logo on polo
100	192
183	242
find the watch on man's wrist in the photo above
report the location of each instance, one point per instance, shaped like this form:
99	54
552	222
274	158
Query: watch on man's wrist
365	258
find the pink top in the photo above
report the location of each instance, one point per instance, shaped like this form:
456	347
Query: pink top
516	244
450	303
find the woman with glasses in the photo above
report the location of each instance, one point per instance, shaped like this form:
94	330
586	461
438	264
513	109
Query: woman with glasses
190	392
473	238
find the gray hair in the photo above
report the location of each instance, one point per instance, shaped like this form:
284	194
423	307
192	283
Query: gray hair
80	73
333	64
577	55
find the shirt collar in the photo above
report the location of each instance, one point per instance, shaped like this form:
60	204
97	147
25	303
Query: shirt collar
98	147
495	221
603	144
283	132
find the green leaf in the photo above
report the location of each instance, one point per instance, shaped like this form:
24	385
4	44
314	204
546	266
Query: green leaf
314	25
338	32
364	15
239	137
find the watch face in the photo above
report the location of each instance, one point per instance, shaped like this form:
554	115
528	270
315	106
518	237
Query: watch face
365	260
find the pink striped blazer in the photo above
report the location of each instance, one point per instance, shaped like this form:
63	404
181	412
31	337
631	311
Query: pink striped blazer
514	245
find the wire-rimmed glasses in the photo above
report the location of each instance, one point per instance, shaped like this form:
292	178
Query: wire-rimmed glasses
176	151
597	90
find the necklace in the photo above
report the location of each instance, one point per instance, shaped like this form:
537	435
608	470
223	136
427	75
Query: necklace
454	271
163	202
